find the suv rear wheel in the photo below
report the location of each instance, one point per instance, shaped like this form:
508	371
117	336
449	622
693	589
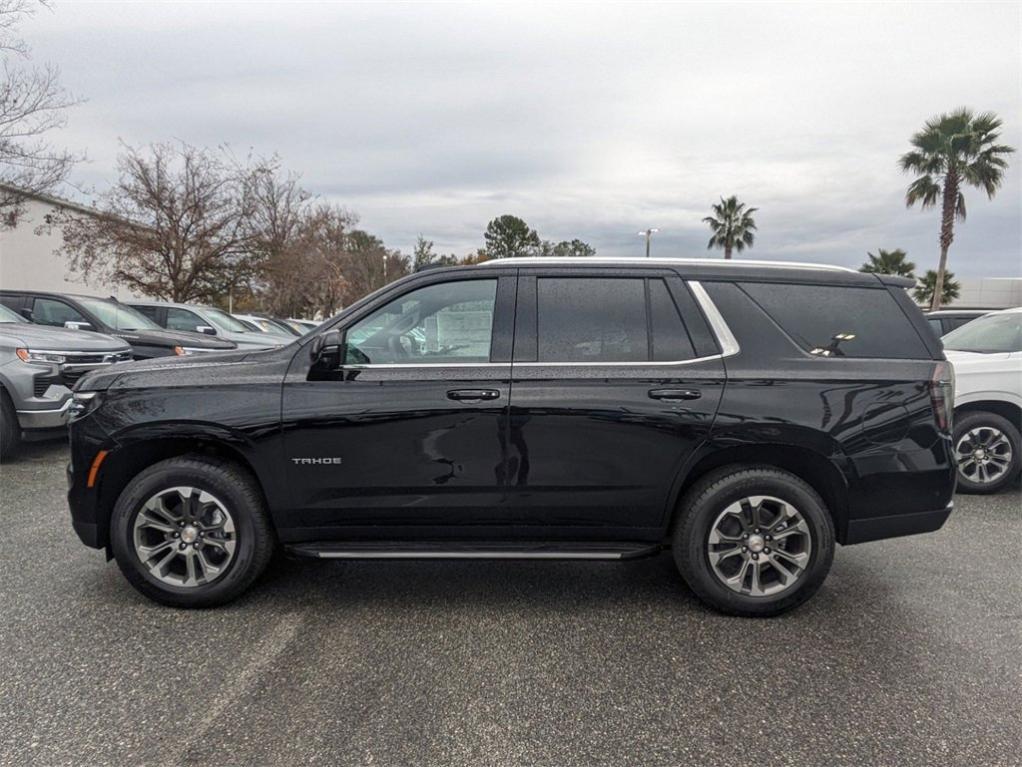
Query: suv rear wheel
753	540
987	451
191	532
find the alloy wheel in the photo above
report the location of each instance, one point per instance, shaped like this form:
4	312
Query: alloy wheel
759	546
184	536
984	454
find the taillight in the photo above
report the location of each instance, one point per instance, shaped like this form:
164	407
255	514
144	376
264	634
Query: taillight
942	394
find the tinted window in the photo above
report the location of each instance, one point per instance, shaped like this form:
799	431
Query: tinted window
8	315
48	311
116	315
670	339
148	311
988	335
936	326
223	320
840	322
182	319
450	322
957	322
592	319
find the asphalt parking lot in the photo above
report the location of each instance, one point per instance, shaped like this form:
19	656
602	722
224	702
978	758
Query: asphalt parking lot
909	655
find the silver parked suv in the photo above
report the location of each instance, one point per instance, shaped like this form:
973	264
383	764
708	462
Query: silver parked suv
38	367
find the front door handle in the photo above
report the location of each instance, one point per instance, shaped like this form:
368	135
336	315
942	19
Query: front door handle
675	394
473	395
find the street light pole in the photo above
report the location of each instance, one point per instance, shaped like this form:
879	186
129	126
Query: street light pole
648	234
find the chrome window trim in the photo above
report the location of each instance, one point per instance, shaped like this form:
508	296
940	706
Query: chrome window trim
725	338
728	343
413	365
631	364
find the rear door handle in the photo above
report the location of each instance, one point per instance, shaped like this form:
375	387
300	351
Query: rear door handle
675	394
473	395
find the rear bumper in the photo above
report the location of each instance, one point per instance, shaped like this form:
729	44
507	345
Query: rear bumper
896	525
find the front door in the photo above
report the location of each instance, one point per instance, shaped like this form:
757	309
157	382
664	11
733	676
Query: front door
406	435
616	381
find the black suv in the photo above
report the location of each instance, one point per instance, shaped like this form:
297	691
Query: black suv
746	415
145	337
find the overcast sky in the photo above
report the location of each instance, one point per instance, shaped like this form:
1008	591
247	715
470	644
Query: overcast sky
587	121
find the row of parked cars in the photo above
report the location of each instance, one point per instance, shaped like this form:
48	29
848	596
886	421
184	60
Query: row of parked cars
43	331
49	340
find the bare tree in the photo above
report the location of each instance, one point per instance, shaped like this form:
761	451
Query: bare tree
368	265
278	224
306	276
32	105
177	225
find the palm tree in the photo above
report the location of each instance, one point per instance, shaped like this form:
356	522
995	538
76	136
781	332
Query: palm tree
950	290
732	225
889	262
953	150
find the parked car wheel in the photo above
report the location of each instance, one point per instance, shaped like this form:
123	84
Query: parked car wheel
987	450
753	540
192	532
10	431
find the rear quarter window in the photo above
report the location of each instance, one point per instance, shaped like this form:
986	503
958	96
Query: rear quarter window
834	321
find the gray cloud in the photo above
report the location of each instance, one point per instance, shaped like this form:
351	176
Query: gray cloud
589	121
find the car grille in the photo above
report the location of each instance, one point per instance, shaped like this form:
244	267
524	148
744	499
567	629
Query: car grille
96	358
76	365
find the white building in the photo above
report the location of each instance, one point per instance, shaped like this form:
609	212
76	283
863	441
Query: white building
992	292
29	251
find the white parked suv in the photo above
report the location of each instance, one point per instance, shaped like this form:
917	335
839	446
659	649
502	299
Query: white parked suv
987	358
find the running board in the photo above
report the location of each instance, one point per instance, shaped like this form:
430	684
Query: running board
471	550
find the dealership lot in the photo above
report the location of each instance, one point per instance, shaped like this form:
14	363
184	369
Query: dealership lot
908	655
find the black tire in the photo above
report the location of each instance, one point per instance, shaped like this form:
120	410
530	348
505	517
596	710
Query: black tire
10	430
230	483
987	423
707	500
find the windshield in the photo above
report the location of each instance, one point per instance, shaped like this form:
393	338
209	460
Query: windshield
9	315
224	321
988	335
118	316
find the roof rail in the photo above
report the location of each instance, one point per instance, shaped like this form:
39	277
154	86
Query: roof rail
607	260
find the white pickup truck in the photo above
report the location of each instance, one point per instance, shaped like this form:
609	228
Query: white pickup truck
987	358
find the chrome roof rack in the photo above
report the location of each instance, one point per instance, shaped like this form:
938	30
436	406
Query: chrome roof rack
632	260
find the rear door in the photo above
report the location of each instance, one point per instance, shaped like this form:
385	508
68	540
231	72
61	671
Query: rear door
615	382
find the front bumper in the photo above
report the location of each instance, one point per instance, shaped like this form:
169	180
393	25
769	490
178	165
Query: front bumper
897	525
47	418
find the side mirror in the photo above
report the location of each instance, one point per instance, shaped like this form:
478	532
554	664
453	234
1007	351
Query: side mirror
73	325
27	314
327	345
209	330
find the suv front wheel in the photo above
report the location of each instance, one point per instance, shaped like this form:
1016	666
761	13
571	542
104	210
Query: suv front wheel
191	532
753	540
